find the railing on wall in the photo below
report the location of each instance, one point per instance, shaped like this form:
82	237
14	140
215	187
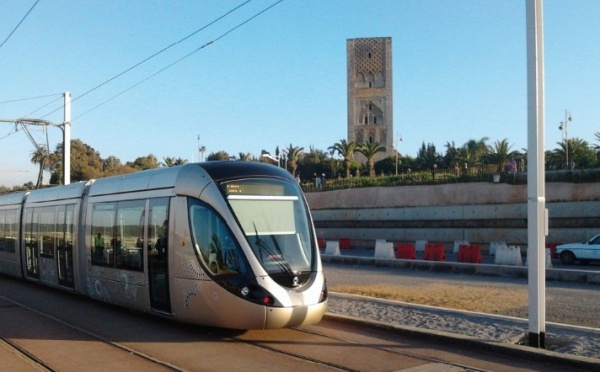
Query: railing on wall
444	176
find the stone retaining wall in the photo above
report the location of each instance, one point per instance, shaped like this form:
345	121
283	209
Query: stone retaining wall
476	212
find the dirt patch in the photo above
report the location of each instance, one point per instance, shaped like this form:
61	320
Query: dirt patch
480	299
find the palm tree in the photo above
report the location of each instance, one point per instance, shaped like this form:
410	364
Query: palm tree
172	162
369	150
478	150
468	158
597	147
451	157
346	150
293	154
499	154
40	156
243	157
202	149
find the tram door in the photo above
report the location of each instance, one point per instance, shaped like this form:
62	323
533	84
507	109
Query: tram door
31	259
64	228
158	257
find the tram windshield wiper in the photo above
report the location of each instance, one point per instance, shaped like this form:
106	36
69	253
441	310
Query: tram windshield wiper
273	255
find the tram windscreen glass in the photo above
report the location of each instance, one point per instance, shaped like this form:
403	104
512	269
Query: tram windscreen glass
275	220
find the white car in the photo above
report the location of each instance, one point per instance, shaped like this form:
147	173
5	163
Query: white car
582	252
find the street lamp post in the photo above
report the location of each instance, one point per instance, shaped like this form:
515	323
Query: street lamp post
565	135
398	139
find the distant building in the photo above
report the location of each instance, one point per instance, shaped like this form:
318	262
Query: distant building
370	103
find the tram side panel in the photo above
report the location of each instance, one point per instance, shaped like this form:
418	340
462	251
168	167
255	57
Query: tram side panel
10	260
196	297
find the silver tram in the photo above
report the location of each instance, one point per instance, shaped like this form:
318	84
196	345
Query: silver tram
225	244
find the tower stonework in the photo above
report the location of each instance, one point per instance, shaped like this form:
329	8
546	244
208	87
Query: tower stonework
370	110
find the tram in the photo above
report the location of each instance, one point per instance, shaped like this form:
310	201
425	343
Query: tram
223	244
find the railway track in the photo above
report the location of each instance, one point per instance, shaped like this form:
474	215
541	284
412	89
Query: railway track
24	355
40	360
55	331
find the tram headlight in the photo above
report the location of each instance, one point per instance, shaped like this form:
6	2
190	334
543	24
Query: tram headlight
257	294
245	291
324	293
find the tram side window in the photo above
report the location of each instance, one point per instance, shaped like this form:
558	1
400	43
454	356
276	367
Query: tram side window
128	237
3	235
118	234
64	227
219	251
103	219
158	227
11	230
47	231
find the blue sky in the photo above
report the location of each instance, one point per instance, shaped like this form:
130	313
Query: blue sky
459	73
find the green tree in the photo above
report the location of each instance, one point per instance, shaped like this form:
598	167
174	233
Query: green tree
580	153
369	150
86	163
293	154
144	162
173	162
468	159
220	155
428	157
499	154
346	150
451	158
112	166
243	157
202	150
40	157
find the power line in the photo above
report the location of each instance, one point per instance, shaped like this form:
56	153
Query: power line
152	56
180	59
19	24
30	98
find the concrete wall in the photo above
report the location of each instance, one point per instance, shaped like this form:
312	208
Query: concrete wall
477	212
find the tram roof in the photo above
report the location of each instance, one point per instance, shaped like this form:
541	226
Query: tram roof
12	198
187	179
71	191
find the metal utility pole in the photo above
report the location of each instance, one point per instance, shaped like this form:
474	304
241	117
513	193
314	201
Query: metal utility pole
67	139
65	127
537	214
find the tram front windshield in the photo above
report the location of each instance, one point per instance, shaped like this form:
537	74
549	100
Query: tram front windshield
275	220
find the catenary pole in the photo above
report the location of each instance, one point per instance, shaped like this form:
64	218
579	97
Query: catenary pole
536	200
67	140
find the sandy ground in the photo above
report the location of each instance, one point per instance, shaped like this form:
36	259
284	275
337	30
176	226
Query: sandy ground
483	299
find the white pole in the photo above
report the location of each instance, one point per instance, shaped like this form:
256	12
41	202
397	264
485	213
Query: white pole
536	199
67	140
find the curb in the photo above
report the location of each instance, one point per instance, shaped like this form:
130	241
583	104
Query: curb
519	351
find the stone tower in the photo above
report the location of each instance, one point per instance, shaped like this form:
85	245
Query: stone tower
370	113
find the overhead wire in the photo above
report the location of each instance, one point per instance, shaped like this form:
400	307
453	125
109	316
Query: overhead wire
153	55
30	98
182	58
19	24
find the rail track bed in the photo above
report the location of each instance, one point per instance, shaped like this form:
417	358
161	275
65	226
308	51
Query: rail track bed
45	329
